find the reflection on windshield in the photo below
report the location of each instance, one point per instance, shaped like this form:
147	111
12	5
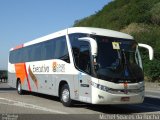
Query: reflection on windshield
117	59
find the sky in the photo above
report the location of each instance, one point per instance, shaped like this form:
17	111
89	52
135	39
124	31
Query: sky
25	20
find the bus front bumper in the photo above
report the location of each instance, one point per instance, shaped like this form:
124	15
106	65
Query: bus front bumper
103	97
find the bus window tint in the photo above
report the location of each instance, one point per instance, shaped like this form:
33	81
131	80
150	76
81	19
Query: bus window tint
50	49
84	59
81	52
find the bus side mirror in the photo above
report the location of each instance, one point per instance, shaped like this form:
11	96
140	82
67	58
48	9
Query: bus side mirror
93	44
150	49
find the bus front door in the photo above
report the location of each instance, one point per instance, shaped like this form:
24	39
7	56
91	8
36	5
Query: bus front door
84	73
84	87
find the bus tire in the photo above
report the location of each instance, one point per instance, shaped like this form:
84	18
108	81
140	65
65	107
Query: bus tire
65	96
19	87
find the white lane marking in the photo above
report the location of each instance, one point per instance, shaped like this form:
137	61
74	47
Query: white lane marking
5	91
148	93
27	105
153	91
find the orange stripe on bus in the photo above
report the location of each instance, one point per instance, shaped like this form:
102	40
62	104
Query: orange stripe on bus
29	86
21	73
18	47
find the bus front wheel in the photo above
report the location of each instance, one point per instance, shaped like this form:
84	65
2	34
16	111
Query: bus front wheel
65	96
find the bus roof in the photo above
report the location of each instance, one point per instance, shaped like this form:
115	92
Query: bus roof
87	30
99	31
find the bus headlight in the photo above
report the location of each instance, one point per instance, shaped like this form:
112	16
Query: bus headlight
117	91
101	87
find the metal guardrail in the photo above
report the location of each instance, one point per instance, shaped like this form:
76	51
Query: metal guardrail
152	86
3	76
3	80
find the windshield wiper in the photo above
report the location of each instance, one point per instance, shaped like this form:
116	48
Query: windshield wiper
125	65
127	69
115	66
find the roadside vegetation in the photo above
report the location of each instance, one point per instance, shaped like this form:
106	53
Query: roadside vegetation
141	19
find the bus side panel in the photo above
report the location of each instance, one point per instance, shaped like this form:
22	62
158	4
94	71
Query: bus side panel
19	71
68	78
45	84
12	79
45	76
11	75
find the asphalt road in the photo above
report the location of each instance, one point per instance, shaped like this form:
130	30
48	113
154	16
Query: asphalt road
38	106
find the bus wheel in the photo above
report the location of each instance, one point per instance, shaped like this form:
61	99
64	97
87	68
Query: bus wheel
19	88
65	96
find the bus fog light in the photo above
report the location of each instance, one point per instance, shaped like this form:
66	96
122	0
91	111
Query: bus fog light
100	97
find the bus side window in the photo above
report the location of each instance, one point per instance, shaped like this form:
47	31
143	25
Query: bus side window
84	59
61	49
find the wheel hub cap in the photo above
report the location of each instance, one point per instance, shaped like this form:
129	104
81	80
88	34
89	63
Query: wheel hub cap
65	95
19	87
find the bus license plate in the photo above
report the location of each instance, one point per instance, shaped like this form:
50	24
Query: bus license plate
125	99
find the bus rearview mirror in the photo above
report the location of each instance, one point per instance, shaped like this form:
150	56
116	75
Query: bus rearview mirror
150	49
93	44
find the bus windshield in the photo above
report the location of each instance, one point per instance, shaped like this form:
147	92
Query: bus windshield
118	60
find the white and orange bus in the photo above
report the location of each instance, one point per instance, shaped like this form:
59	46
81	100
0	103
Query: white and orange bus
91	65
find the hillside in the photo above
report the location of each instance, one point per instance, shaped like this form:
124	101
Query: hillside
140	18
